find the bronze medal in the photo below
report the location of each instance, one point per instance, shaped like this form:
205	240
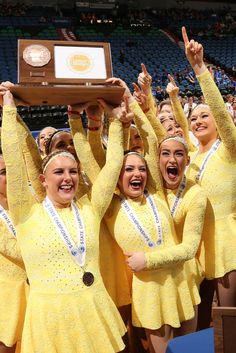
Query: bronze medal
88	278
36	55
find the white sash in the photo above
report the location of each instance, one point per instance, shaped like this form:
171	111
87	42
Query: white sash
7	220
178	196
210	153
78	252
208	156
139	227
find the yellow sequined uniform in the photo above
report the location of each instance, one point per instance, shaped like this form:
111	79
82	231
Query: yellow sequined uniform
194	220
219	182
13	288
112	260
63	314
162	294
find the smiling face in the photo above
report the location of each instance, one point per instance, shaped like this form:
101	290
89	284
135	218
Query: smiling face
62	141
202	124
172	128
60	180
173	161
133	176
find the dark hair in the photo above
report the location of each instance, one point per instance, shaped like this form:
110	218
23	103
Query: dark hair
48	145
38	136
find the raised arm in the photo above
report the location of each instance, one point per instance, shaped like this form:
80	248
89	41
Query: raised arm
32	158
145	82
178	111
142	99
224	122
105	184
95	120
82	146
150	146
20	199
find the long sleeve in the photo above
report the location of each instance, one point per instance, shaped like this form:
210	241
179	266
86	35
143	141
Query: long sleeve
182	121
83	150
126	132
32	158
94	138
156	125
105	184
151	102
9	248
192	233
150	146
19	196
224	121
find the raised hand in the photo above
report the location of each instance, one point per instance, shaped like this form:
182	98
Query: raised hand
172	89
140	97
126	116
78	108
118	82
194	53
6	97
121	112
144	80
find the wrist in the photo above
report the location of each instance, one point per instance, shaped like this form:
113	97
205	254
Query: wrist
126	125
145	110
94	118
94	128
74	113
199	69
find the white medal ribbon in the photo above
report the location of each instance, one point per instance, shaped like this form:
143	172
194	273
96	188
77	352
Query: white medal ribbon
140	228
210	153
4	216
178	197
78	252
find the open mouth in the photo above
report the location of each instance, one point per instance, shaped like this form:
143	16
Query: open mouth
172	172
200	128
136	184
66	188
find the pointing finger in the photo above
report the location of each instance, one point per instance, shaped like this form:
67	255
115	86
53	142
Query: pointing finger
144	70
185	36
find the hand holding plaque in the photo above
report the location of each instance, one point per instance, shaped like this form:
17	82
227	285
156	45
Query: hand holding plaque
64	72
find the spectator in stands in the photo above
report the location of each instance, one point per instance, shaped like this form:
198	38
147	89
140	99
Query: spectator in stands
229	102
189	106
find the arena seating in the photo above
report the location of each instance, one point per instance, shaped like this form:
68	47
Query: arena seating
131	44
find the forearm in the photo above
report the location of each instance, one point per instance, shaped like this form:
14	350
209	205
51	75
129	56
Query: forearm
83	150
105	184
32	158
150	146
19	196
181	120
95	141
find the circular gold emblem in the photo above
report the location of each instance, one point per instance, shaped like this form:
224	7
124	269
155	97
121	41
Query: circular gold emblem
79	62
36	55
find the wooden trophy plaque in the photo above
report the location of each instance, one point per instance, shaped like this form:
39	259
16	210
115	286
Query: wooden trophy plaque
64	72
